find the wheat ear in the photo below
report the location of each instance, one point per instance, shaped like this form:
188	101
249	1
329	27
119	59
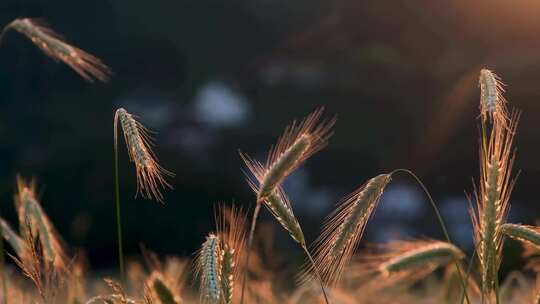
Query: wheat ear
231	231
161	290
409	256
523	233
14	240
492	198
492	101
343	229
298	142
28	208
53	45
208	268
150	174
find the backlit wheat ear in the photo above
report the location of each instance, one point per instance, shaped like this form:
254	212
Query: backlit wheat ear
343	229
29	209
14	240
492	198
231	232
523	233
298	143
408	257
208	268
161	290
52	44
150	175
492	102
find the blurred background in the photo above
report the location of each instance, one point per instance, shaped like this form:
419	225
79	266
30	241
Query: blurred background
215	77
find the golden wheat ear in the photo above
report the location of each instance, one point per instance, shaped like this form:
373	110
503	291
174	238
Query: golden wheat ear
343	230
53	45
39	225
150	174
492	198
298	142
492	102
231	231
13	239
208	270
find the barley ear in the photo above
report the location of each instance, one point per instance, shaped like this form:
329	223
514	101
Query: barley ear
40	226
208	270
343	229
492	101
492	199
150	174
523	233
161	290
14	240
53	45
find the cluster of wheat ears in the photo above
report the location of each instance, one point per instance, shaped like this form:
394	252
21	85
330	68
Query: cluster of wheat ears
228	268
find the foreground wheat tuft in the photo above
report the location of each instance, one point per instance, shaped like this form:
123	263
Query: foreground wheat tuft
150	175
52	44
343	229
13	239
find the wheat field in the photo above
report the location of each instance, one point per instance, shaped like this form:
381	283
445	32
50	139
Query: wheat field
234	261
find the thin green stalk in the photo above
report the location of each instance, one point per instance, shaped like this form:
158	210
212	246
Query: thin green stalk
2	266
441	223
118	223
250	242
316	270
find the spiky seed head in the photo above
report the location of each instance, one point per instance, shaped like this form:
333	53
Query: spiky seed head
523	233
31	216
231	232
492	101
492	198
297	144
53	45
14	240
343	229
208	267
409	256
161	290
150	174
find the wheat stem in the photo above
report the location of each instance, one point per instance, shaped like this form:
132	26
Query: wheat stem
440	220
316	270
118	218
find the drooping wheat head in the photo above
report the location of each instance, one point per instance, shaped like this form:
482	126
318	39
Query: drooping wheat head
29	209
409	256
231	224
492	101
279	206
343	229
13	239
298	142
208	270
52	44
161	290
492	198
150	174
523	233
